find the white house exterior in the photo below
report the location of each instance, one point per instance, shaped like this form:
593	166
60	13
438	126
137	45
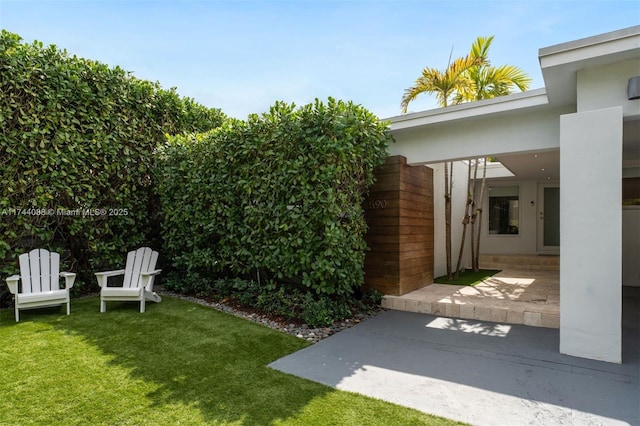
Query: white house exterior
582	131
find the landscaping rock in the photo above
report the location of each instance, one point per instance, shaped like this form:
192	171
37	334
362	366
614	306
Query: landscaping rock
302	331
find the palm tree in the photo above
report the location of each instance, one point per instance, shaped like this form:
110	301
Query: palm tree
470	78
446	85
489	81
466	79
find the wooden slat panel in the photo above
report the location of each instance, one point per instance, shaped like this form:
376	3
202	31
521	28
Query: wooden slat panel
374	239
399	214
381	195
382	268
129	268
399	240
413	189
414	183
406	255
409	276
413	272
146	258
137	267
25	272
381	249
395	221
423	262
55	270
34	267
383	285
154	261
409	284
45	270
396	238
149	259
417	214
406	230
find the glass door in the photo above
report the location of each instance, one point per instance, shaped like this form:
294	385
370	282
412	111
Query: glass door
549	219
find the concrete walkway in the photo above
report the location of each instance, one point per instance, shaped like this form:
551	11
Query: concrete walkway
479	372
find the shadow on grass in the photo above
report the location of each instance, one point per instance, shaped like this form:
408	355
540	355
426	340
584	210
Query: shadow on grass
192	356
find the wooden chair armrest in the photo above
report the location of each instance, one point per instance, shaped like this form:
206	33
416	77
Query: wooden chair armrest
102	276
12	283
69	279
156	272
110	273
146	279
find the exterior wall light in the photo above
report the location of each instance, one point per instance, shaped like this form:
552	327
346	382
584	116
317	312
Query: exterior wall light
633	88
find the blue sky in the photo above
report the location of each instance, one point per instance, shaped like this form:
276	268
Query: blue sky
242	56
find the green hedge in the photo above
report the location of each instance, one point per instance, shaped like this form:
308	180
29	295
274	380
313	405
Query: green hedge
76	153
280	193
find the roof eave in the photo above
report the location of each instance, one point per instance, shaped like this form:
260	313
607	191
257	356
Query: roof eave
509	103
560	63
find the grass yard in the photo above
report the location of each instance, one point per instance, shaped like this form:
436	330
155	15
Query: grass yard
178	363
468	277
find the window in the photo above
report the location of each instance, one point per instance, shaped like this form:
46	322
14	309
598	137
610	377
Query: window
504	214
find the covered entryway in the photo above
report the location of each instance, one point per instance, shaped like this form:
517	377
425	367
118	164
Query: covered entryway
589	114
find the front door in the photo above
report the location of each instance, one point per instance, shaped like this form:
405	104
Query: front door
549	219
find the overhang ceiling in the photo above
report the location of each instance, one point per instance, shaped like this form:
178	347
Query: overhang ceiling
545	165
539	166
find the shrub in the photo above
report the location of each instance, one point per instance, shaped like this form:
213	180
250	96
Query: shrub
76	154
193	284
287	302
280	193
323	312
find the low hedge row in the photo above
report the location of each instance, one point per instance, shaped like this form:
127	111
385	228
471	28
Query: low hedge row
290	304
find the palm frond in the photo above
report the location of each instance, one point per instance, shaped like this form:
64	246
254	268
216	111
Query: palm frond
514	75
468	78
422	85
480	49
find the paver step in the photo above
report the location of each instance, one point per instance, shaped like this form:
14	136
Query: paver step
520	262
527	314
513	296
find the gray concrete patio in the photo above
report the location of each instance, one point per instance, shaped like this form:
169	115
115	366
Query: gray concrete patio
480	372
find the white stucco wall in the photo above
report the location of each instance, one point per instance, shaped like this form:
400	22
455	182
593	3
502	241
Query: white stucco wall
606	86
457	206
525	241
591	234
487	136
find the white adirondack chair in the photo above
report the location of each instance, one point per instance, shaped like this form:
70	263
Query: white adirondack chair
40	286
137	285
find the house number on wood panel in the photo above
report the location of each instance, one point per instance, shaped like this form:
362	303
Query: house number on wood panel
378	204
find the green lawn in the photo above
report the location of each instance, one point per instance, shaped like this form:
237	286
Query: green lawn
468	277
177	364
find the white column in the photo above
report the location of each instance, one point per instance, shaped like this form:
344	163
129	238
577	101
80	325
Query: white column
591	234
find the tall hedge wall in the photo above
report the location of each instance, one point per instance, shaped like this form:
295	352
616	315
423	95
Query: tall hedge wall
77	145
280	193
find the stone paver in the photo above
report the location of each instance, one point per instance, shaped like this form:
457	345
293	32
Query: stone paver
511	296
